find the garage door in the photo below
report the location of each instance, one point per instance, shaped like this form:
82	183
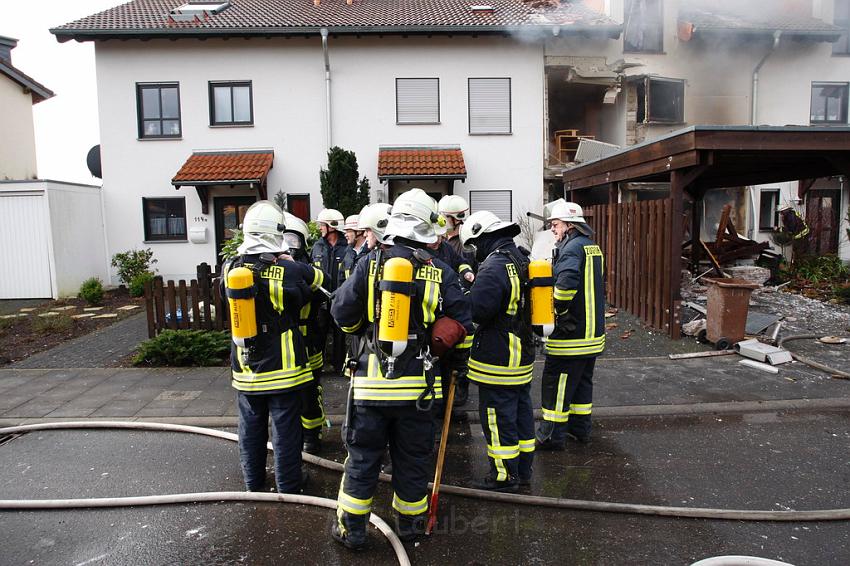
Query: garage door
497	202
24	253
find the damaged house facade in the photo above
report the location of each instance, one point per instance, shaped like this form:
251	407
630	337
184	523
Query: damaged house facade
684	63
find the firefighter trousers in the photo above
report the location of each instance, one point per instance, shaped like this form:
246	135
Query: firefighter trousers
567	394
313	407
507	419
254	412
410	434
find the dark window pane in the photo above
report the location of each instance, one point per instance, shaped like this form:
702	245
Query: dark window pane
170	104
644	26
150	103
242	103
221	104
165	219
829	103
666	101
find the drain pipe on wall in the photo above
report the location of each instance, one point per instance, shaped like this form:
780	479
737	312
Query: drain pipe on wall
324	32
754	110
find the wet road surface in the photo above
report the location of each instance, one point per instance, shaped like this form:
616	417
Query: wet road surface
770	461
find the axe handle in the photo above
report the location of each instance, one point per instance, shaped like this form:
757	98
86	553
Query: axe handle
441	456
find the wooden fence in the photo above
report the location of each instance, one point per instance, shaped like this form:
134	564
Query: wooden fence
636	240
196	306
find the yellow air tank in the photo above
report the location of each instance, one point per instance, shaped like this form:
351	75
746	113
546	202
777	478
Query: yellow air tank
395	306
243	314
542	297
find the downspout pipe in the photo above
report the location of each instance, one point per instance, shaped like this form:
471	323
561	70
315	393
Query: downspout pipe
755	94
324	33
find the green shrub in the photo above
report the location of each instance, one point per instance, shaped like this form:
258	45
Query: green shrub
91	291
137	283
228	250
6	323
184	348
820	269
842	293
132	263
57	324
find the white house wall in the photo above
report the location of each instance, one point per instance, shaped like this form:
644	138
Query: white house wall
17	146
76	226
289	117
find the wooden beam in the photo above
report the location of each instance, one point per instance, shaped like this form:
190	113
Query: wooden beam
773	140
777	175
804	186
660	166
203	194
676	237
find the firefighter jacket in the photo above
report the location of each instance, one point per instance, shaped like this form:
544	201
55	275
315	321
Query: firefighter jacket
579	273
277	361
351	257
308	322
503	348
329	259
446	253
437	293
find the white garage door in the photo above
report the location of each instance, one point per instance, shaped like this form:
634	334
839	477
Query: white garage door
24	253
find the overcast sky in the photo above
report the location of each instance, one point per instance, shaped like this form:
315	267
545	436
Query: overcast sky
66	126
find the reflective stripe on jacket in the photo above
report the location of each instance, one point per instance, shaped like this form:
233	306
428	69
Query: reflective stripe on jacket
579	273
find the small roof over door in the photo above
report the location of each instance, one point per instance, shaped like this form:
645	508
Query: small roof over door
205	168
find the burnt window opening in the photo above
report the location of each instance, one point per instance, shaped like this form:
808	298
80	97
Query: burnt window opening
660	101
841	18
829	103
643	22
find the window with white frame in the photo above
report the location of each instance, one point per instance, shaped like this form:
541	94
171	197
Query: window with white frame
489	106
417	101
829	103
498	202
768	209
231	104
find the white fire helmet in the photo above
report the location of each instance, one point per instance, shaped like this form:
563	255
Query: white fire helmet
567	212
414	216
375	217
353	223
332	217
262	229
296	232
481	222
454	206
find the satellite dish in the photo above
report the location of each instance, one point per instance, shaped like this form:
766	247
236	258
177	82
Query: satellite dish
93	162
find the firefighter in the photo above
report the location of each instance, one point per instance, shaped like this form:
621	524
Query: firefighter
579	334
392	393
270	368
356	238
327	254
793	222
373	220
455	209
502	356
313	416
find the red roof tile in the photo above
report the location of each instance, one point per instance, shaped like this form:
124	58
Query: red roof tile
421	162
224	167
151	18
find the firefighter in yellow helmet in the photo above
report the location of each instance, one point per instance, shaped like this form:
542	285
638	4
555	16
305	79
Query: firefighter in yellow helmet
395	383
578	270
502	356
270	369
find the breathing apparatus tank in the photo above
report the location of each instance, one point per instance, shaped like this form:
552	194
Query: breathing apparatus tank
542	297
394	320
243	314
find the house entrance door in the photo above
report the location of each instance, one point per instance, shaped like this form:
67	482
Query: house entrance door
822	216
229	214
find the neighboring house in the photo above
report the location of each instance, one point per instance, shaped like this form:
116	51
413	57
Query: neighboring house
717	62
53	231
206	107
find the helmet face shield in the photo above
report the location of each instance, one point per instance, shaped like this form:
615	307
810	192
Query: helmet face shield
292	240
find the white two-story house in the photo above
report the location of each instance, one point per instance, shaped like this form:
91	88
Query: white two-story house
206	106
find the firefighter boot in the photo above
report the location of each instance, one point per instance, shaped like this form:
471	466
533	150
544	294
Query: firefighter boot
313	441
490	483
545	437
410	527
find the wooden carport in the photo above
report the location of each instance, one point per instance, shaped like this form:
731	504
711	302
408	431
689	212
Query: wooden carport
643	241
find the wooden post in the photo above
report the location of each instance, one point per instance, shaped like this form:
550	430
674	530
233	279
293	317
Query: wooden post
204	282
219	308
149	308
171	299
184	305
677	189
696	230
196	311
159	304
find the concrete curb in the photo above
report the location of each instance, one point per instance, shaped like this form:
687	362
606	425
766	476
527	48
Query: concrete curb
624	411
